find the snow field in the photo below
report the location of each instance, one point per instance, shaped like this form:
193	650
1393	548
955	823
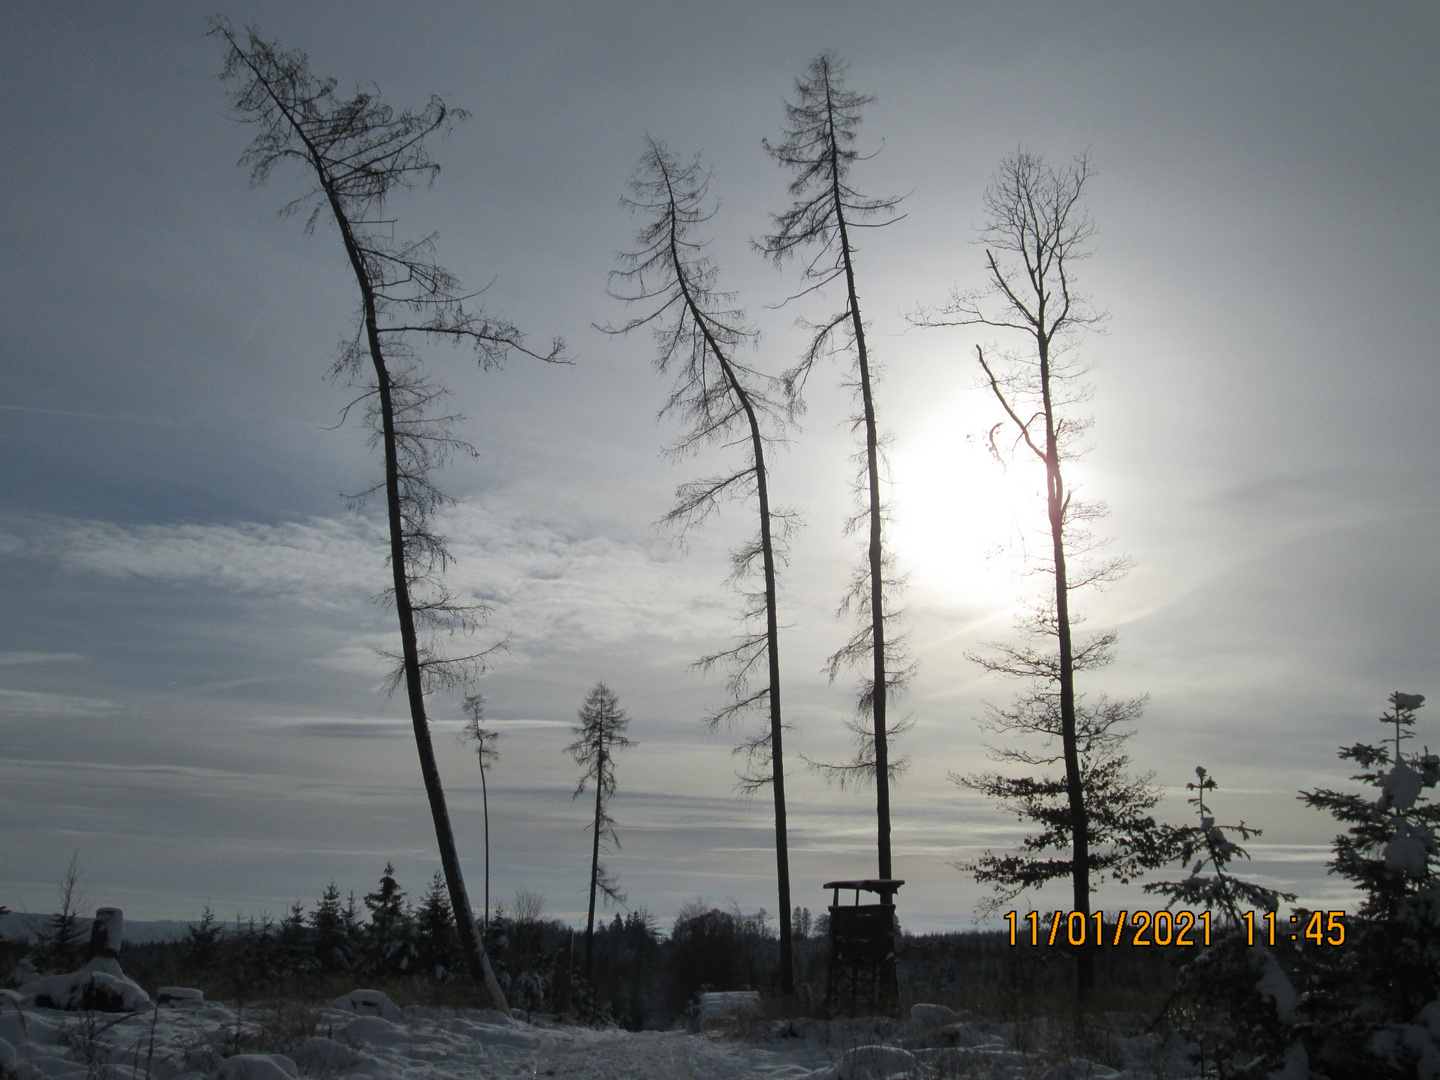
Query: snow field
350	1039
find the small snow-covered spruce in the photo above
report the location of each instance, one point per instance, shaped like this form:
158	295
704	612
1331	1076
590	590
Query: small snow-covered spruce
1389	850
1248	1002
436	939
330	933
389	947
1389	970
1208	844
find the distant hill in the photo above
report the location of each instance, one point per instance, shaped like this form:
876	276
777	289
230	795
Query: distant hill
24	926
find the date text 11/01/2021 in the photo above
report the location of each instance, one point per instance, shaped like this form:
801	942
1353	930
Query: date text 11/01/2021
1169	928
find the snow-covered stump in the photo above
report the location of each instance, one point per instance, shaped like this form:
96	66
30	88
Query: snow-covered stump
99	984
369	1003
106	933
717	1008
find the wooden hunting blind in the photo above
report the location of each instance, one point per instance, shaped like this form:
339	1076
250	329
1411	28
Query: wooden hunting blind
862	949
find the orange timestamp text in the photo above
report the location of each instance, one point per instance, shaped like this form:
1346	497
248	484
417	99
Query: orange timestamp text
1164	927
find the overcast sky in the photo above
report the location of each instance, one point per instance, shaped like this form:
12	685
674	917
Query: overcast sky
189	690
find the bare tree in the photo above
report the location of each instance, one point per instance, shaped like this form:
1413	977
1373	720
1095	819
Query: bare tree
486	755
1036	230
356	152
600	733
819	145
699	334
60	936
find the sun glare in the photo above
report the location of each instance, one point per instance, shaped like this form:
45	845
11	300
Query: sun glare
963	521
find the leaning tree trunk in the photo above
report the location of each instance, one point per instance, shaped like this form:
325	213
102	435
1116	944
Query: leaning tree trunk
485	805
470	940
879	680
772	640
777	755
772	648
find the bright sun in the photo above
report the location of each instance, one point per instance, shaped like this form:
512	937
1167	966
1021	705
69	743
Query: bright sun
963	522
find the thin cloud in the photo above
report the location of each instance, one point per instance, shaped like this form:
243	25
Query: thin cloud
30	705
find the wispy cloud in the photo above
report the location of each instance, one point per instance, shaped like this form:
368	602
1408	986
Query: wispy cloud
321	561
27	704
12	659
346	729
547	584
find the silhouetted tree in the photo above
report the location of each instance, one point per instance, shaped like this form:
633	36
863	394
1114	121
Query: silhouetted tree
720	399
294	951
328	926
818	145
356	152
600	733
486	755
1389	851
435	934
1036	229
389	945
61	935
1207	843
203	941
1124	839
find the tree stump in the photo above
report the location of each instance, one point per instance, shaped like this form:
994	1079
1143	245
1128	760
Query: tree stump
106	933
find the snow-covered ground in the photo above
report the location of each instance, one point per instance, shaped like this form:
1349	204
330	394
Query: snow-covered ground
365	1036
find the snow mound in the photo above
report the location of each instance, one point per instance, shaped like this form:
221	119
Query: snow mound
871	1063
1080	1069
376	1030
179	995
1274	985
18	1028
728	1005
926	1018
369	1003
318	1054
100	985
258	1067
1296	1067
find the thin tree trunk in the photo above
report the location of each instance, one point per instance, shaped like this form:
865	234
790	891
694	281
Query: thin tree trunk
594	865
1056	500
777	755
474	947
485	803
772	636
872	471
772	647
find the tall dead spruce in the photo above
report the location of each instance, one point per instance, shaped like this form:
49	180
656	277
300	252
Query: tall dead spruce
356	151
1036	230
699	334
819	145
